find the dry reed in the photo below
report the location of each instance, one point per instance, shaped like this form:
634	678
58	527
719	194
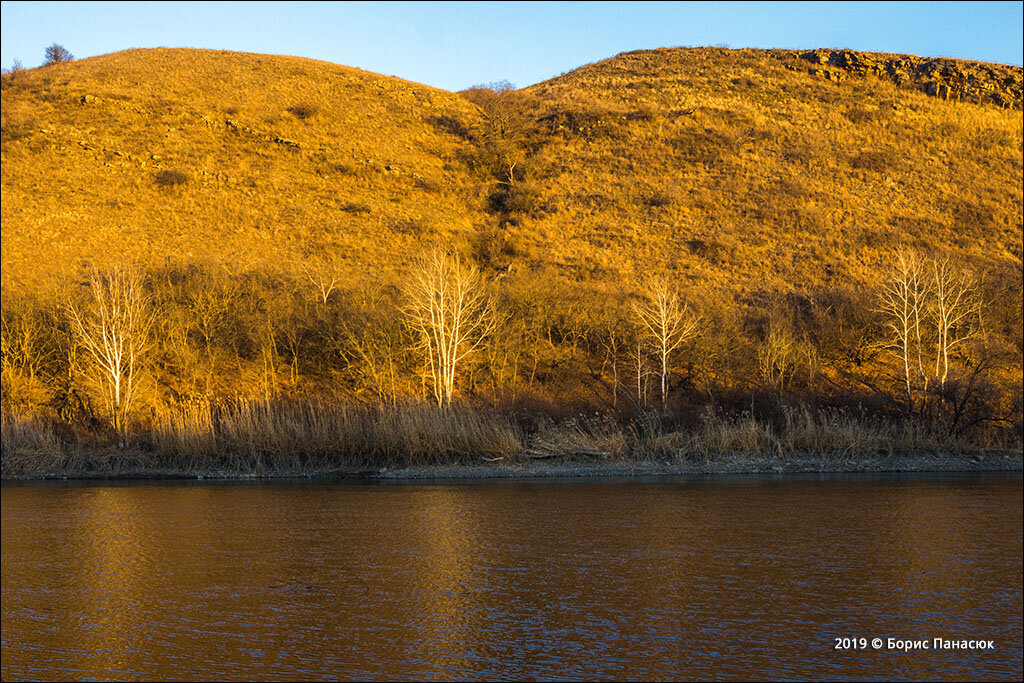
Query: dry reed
265	439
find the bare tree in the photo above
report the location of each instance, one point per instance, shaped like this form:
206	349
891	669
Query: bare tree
22	343
56	54
666	321
323	275
902	301
9	75
638	360
956	312
503	127
25	355
777	358
934	304
613	337
448	308
113	328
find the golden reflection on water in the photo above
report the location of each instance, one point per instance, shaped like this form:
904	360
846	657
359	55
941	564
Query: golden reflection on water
114	575
446	610
519	580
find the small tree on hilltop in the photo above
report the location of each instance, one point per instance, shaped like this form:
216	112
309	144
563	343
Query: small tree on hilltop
55	54
11	73
503	128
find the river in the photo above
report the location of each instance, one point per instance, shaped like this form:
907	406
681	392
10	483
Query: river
727	578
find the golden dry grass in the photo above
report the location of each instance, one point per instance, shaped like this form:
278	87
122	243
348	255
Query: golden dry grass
91	149
727	167
740	174
312	439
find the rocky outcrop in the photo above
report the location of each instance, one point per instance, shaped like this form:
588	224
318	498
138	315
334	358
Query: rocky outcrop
252	132
949	79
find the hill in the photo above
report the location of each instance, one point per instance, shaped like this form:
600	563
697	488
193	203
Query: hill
739	166
771	185
201	155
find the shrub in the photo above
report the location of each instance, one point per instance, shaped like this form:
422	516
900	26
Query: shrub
171	177
972	218
588	123
521	199
425	184
9	75
995	138
874	160
450	125
493	248
355	208
303	111
660	197
644	113
710	248
15	128
860	115
411	226
698	146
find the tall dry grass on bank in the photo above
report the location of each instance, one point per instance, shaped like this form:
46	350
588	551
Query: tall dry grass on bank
312	437
825	434
263	439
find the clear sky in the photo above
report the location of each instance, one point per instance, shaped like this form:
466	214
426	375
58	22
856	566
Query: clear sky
455	45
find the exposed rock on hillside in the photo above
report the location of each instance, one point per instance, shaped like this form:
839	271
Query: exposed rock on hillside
956	79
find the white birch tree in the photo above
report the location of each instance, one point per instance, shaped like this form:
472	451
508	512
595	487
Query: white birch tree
928	304
666	321
448	309
902	300
956	312
113	327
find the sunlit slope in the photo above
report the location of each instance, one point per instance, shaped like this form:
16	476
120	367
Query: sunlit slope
750	170
745	171
249	160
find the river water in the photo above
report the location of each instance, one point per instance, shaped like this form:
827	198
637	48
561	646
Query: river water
659	579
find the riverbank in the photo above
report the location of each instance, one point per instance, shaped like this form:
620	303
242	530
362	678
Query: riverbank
525	467
731	463
416	442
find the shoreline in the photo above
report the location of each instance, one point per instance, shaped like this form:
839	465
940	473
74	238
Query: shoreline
574	467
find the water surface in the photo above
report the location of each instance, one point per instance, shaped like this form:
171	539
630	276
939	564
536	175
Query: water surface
666	579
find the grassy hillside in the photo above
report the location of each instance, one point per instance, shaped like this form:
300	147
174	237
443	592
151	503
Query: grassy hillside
743	170
771	185
718	163
252	160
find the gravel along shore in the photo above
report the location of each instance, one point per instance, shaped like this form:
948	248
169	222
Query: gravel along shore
738	463
561	467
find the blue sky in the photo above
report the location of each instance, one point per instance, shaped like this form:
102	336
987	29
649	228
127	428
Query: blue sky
455	45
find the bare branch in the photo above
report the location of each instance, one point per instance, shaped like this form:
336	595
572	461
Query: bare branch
113	328
448	309
666	321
